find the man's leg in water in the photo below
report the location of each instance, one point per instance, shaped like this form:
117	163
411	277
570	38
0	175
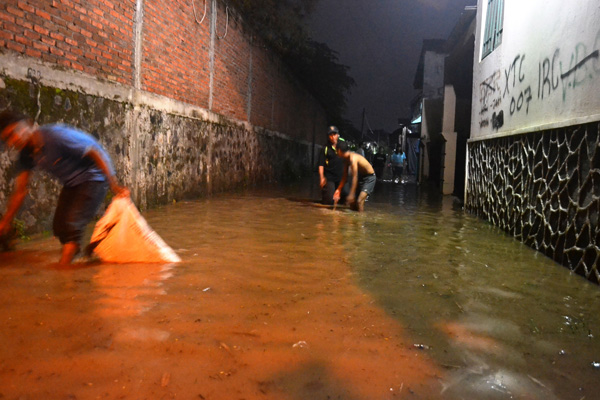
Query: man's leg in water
367	184
69	250
361	201
76	207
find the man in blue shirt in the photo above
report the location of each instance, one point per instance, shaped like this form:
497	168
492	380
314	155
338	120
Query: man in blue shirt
76	159
398	158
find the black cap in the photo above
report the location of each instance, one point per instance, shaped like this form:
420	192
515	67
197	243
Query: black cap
333	130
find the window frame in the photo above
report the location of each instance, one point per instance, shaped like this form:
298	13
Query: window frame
494	24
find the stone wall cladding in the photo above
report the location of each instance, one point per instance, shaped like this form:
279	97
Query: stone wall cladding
104	119
159	155
544	189
194	115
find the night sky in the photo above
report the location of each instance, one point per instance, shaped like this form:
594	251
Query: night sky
380	40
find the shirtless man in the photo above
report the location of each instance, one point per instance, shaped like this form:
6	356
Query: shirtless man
363	177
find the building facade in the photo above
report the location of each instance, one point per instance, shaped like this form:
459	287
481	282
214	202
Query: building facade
534	154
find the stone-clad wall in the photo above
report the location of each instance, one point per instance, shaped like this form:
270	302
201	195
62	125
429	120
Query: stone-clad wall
543	188
185	106
160	155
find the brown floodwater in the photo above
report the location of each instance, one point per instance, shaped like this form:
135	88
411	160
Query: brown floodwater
278	298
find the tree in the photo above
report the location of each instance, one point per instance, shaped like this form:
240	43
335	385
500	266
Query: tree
281	24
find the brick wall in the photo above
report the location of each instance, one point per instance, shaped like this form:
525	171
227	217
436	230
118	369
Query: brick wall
93	36
232	67
175	60
97	37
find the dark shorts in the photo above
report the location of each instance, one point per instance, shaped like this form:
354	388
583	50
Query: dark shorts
76	207
329	189
367	183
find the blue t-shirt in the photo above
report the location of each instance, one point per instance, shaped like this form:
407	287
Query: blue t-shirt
63	155
398	158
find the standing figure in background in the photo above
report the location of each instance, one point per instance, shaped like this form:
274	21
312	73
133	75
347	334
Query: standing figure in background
330	166
76	159
398	158
360	150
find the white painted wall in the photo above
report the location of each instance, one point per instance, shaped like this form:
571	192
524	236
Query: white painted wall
451	138
546	72
433	75
449	109
449	162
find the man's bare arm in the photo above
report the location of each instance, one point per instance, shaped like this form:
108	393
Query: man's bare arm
112	180
15	201
354	166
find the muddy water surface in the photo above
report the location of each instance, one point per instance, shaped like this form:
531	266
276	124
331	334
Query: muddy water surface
277	298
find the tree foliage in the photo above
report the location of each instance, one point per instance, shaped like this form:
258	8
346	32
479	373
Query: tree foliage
281	24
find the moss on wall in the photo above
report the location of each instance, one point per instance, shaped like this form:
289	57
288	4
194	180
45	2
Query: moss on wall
160	156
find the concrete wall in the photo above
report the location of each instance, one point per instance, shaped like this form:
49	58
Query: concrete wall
545	73
433	75
185	106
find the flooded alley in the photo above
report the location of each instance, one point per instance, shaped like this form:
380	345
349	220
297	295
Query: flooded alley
280	298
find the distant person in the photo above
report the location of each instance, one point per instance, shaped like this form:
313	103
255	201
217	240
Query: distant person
361	150
76	159
363	178
379	162
330	166
398	158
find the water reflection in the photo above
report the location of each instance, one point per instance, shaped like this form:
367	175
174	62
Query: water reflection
411	299
130	289
497	313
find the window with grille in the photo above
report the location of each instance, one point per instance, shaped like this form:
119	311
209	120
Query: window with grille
492	35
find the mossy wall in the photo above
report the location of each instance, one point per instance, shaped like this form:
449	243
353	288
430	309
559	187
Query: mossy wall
161	156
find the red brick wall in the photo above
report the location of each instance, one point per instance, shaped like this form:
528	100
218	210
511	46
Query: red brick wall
97	37
93	36
232	67
264	68
175	61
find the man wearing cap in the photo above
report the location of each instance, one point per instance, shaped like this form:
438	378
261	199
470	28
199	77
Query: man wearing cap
331	167
75	158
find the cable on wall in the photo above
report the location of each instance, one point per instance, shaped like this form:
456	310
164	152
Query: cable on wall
196	16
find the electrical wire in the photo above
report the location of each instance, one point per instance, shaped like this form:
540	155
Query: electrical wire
226	24
194	8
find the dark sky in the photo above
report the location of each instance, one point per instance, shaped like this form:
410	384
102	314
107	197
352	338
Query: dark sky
380	40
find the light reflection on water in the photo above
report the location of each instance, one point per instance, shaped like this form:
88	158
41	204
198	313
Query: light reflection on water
501	319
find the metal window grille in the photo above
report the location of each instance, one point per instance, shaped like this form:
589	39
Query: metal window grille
493	26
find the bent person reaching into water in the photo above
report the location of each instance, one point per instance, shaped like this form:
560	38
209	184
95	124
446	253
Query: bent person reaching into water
363	178
76	159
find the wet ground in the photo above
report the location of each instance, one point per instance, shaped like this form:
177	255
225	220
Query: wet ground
278	298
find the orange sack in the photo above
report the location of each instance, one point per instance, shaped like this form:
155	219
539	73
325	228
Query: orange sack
122	235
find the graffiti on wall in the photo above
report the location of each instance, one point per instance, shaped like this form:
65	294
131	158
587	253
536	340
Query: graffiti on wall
513	90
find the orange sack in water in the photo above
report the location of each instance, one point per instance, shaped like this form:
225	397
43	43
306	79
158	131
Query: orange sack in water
122	235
